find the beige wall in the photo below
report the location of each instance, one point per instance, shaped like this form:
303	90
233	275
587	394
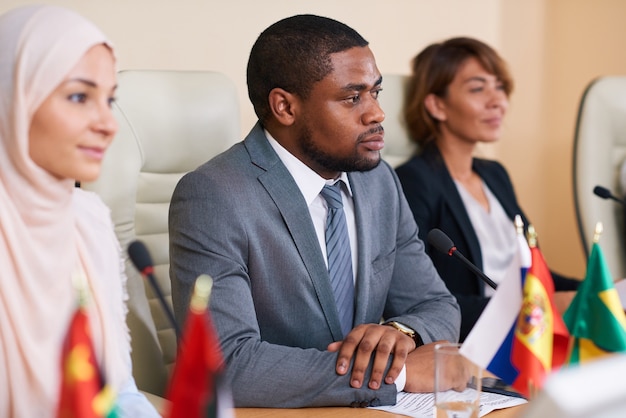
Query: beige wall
554	48
218	35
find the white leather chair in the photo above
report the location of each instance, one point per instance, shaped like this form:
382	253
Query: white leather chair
398	147
599	154
170	123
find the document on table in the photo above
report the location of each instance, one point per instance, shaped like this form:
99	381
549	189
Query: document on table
422	405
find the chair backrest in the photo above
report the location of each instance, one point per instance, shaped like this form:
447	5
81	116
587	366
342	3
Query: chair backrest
170	123
398	147
599	153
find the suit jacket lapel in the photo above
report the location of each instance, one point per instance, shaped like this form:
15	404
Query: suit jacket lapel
287	196
457	208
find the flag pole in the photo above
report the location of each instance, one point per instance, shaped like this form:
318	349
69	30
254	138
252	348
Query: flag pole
519	225
533	390
532	236
79	281
597	232
201	293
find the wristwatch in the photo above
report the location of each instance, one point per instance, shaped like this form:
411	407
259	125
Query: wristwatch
406	331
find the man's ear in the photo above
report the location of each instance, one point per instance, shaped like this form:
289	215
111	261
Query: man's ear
435	107
283	106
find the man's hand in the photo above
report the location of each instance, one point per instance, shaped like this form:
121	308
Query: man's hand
362	342
420	371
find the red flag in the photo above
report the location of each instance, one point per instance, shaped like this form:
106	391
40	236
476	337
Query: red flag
83	393
541	337
199	362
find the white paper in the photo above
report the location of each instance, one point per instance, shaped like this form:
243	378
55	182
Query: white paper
422	405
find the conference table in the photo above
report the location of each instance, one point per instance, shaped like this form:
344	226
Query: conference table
512	412
338	412
330	412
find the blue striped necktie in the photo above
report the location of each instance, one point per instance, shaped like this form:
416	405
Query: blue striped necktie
339	256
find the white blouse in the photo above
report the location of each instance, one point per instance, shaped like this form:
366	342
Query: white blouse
495	231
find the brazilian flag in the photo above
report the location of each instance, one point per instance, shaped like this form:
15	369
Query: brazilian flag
595	318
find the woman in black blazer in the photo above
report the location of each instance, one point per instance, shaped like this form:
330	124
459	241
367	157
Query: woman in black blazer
456	98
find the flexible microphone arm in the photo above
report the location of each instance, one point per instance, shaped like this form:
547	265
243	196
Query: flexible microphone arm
438	239
605	193
142	261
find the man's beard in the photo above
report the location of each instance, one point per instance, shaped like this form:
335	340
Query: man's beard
331	162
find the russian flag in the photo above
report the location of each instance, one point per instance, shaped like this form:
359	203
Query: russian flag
489	343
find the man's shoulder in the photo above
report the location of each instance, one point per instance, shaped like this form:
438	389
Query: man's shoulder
229	173
232	155
253	151
222	164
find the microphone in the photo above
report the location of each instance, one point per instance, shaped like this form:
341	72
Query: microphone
142	261
438	239
605	193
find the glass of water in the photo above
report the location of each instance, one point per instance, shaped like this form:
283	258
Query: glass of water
457	383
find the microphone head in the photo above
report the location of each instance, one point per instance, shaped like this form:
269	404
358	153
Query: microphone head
139	255
602	192
438	239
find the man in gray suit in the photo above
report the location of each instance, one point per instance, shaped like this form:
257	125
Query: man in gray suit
254	219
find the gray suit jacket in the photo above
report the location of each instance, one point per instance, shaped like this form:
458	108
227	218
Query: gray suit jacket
242	219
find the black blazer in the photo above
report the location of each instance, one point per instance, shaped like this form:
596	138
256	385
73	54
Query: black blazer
436	203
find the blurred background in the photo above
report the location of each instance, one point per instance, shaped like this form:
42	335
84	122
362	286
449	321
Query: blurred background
554	48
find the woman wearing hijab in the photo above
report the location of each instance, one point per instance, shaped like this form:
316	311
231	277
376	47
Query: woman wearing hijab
457	97
57	81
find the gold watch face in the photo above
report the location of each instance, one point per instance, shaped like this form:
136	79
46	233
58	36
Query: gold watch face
403	328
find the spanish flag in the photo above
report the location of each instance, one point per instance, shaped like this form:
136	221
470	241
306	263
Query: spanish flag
595	318
541	337
83	390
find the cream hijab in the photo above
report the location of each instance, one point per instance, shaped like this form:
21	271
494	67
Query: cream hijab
48	229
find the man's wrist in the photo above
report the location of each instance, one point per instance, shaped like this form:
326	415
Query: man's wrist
406	330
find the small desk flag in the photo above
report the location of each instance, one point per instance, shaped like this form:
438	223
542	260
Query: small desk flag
196	389
541	338
595	318
84	393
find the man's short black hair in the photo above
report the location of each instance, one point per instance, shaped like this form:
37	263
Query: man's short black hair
293	54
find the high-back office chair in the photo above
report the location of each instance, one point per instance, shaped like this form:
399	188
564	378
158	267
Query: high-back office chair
398	147
170	123
599	152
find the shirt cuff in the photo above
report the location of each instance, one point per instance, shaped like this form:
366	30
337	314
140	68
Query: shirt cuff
401	379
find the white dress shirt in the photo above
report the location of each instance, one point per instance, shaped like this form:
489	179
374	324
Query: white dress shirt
311	184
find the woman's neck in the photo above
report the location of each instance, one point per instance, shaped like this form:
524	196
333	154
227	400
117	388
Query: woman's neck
457	157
